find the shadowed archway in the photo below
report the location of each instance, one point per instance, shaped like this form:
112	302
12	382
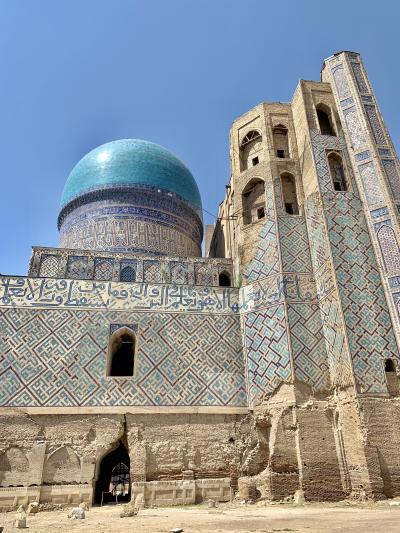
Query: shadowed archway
113	477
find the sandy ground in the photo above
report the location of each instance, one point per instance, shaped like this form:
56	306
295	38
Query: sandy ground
310	518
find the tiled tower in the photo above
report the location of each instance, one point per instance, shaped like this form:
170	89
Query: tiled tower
311	218
375	162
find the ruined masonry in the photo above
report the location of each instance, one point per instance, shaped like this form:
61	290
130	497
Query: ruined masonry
129	364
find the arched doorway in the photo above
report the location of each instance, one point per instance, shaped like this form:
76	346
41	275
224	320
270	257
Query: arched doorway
113	481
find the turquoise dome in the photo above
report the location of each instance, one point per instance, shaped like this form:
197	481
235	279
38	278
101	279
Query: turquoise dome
131	162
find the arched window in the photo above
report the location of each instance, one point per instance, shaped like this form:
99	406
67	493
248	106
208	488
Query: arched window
389	365
281	142
391	377
121	353
253	201
337	172
224	279
127	273
250	150
325	120
289	194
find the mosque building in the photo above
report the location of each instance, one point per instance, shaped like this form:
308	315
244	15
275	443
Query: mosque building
130	364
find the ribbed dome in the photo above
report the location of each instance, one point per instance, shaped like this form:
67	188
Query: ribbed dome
131	162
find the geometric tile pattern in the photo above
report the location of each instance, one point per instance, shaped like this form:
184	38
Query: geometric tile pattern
347	102
277	188
362	155
354	127
103	269
341	82
49	266
381	212
389	248
209	268
265	259
77	267
178	272
332	324
393	177
57	357
386	244
267	350
204	274
375	124
338	358
369	329
152	272
362	86
317	234
372	188
308	345
293	240
116	327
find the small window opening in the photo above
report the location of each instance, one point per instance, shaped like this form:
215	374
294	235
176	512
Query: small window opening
389	366
289	194
224	279
392	380
253	198
281	141
121	353
127	274
337	172
324	121
260	213
250	146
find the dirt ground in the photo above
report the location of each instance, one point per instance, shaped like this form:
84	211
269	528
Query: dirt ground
259	518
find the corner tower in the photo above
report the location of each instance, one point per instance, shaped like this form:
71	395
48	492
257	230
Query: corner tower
131	196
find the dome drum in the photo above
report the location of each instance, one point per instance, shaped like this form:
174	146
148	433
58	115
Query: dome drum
131	219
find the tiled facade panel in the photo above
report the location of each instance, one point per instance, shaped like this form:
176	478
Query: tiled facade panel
265	260
57	357
294	248
389	247
267	350
393	177
372	188
381	186
354	127
57	263
308	345
368	325
332	321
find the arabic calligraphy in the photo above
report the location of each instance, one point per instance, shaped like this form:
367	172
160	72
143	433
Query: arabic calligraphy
49	293
33	292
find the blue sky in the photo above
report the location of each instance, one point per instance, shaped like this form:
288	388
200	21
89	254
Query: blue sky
78	73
